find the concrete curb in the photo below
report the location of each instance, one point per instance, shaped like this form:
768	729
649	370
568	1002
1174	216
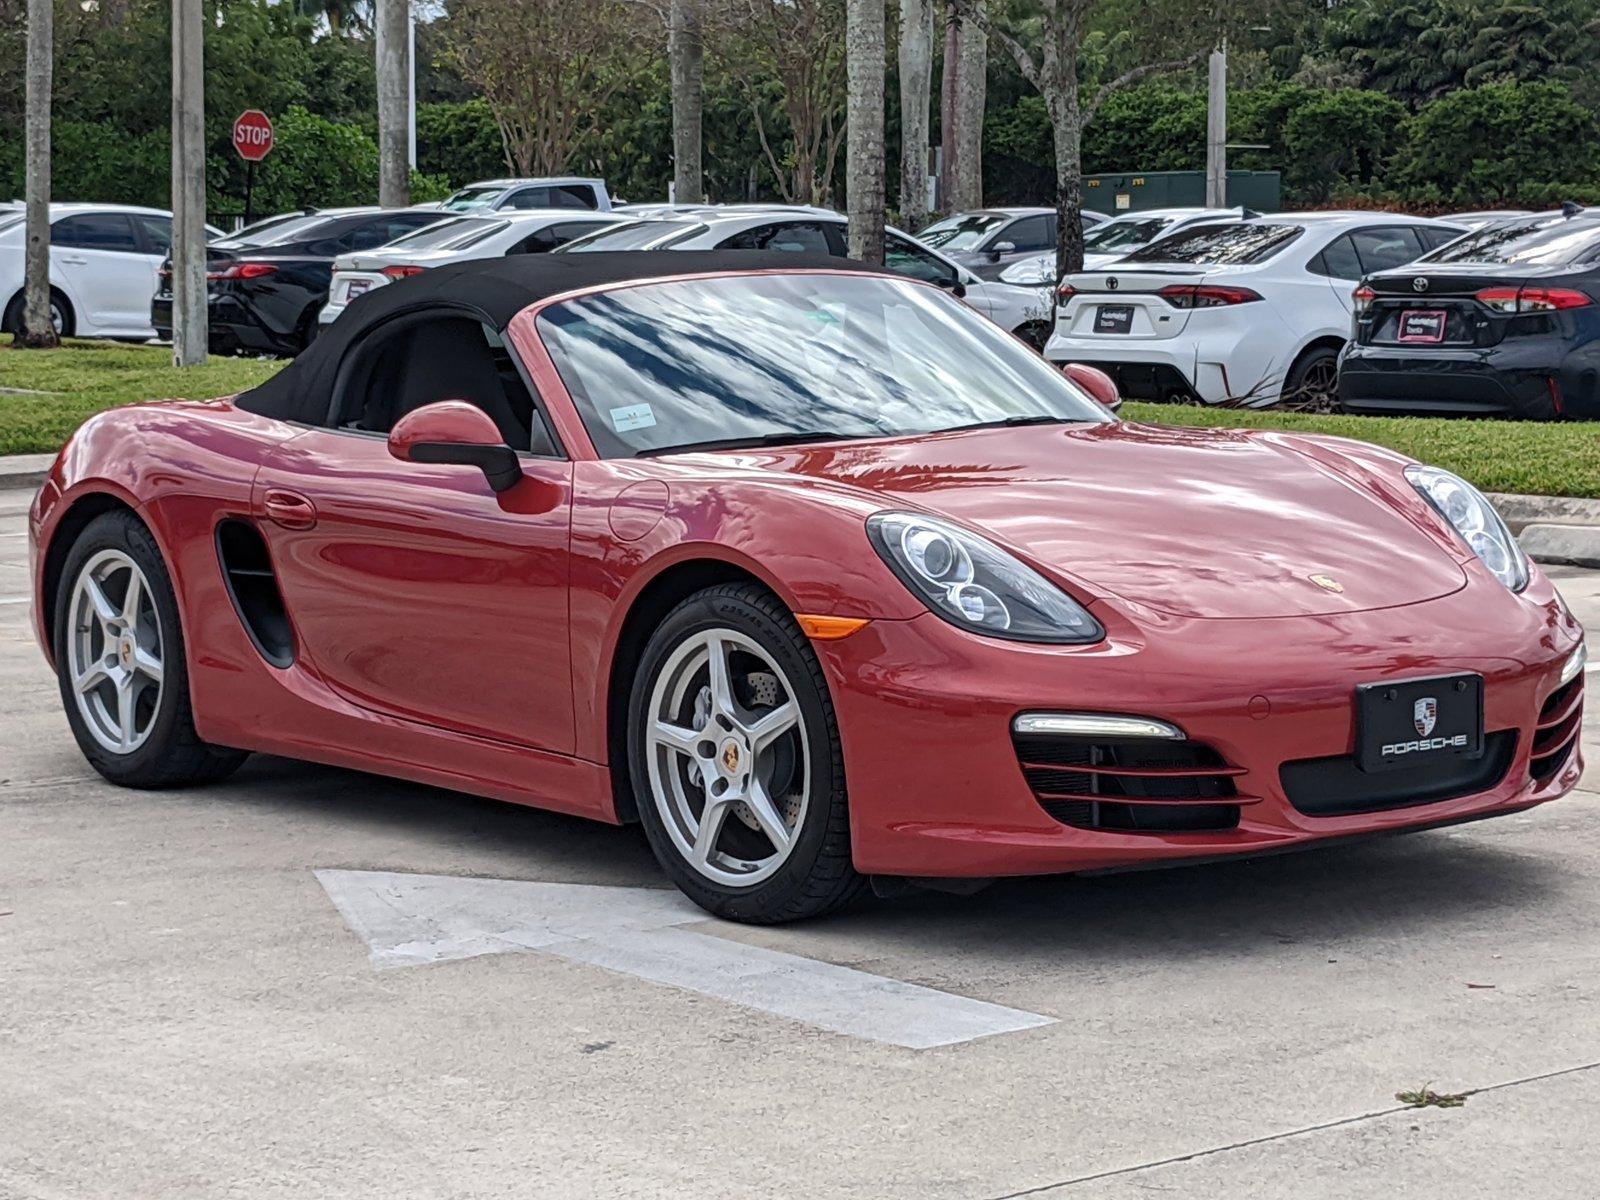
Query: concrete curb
24	471
1568	545
1520	511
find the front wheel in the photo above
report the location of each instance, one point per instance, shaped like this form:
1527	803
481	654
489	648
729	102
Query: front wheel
734	757
120	662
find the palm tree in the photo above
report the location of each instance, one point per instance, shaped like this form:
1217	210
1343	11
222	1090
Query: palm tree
916	80
685	53
38	330
864	167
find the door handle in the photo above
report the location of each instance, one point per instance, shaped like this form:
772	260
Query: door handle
289	509
74	261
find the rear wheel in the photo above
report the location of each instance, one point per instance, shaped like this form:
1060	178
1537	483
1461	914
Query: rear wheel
735	761
120	662
1312	384
60	314
1035	333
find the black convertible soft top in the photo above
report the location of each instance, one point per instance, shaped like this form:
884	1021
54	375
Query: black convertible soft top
493	290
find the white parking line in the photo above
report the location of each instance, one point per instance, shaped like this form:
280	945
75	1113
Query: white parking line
411	920
15	599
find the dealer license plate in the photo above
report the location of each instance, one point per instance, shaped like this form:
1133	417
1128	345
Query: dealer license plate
1113	318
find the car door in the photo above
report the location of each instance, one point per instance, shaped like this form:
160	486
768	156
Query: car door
415	590
1340	265
108	274
1026	236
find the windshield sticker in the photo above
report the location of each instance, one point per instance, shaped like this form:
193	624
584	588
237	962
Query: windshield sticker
634	416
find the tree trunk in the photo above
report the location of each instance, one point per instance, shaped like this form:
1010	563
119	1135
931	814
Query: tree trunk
190	317
1067	129
972	48
685	52
948	85
916	79
864	149
393	32
37	330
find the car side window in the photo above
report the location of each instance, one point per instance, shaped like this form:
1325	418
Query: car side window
157	232
380	231
1338	260
1385	248
904	257
529	198
542	241
96	231
1030	234
802	237
1433	237
403	367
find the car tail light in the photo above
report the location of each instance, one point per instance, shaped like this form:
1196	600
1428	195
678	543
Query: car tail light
244	270
401	272
1065	292
1532	299
1363	296
1206	295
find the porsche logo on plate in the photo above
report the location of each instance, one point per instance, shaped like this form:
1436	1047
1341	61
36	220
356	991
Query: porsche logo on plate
1326	582
1424	713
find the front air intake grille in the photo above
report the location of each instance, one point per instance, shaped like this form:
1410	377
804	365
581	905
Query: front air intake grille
1560	723
1131	785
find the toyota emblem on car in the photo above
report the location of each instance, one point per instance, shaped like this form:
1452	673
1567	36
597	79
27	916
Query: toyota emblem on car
1419	284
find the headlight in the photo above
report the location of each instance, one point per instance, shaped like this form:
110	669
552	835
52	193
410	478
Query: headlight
1030	274
976	585
1475	519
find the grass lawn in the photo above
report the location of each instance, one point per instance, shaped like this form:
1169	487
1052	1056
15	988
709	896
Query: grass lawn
84	377
1534	458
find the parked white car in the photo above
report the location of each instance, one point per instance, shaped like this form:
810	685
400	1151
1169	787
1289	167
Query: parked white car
987	241
1106	243
555	191
1247	311
103	260
456	239
1023	311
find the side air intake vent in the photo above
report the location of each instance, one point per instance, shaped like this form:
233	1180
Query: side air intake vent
254	588
1131	785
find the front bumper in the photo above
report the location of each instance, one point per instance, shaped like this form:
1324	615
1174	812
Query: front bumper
1521	377
937	789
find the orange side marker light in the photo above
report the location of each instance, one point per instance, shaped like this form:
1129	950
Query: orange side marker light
829	629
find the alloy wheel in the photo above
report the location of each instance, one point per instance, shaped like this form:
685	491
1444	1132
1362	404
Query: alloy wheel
114	652
727	756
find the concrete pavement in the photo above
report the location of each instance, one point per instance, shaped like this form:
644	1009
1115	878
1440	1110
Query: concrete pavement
183	1012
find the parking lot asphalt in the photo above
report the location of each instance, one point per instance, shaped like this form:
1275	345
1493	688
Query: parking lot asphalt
185	1011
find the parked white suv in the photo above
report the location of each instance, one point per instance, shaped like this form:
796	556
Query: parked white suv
1248	312
1023	311
456	239
103	260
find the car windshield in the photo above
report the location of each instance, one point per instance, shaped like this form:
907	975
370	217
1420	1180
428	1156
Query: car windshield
473	197
1123	235
797	357
1553	240
1229	244
452	233
963	232
636	235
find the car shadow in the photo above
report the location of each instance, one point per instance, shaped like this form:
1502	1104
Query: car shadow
1422	885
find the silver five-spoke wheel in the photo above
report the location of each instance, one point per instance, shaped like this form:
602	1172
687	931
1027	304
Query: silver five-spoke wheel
114	651
727	757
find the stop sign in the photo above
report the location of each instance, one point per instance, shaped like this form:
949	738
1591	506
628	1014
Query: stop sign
252	135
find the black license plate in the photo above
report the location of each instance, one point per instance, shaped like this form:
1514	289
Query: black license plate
1417	721
1113	318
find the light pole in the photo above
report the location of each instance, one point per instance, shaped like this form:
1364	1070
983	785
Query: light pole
1217	129
188	184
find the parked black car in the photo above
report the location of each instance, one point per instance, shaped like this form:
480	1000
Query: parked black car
266	284
1505	320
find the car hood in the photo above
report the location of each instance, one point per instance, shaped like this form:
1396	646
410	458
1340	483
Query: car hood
1198	523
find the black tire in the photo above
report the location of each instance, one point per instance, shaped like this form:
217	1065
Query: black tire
1035	333
12	321
172	754
818	877
1313	380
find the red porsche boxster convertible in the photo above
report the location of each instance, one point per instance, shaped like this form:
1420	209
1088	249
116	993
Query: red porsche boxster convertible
809	569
